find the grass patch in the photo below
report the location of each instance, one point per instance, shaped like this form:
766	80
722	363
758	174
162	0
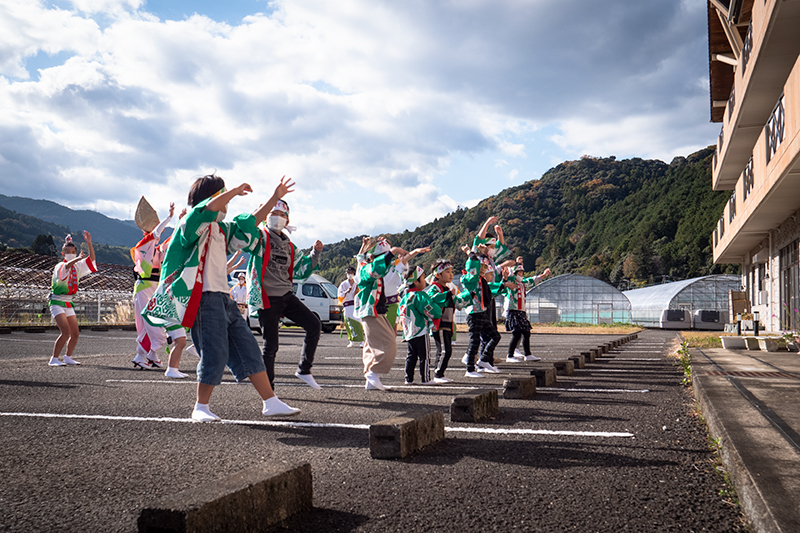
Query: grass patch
703	339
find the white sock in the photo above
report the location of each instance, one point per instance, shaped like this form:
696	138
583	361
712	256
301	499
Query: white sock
203	413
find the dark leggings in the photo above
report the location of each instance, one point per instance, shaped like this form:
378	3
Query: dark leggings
443	339
516	335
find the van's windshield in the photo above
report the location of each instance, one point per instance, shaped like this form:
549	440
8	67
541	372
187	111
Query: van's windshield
330	288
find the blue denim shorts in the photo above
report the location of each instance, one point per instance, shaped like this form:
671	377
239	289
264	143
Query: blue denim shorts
223	338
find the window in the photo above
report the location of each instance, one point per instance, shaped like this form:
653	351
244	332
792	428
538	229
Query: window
789	281
312	290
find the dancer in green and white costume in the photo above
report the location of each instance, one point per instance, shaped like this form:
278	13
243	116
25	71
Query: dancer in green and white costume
374	260
64	286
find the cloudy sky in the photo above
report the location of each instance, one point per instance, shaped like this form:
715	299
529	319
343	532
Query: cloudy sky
387	114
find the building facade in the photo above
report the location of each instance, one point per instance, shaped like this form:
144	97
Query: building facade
754	66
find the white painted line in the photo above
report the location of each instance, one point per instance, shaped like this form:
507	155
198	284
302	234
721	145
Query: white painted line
546	389
278	423
540	432
619	370
348	358
635	359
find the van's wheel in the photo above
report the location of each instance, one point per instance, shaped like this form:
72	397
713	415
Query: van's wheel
329	329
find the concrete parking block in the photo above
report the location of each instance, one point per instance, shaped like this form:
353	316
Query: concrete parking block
545	375
565	368
243	502
589	357
473	406
578	360
400	436
519	388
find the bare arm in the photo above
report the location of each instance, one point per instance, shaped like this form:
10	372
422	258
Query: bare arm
284	187
412	254
88	238
485	227
219	202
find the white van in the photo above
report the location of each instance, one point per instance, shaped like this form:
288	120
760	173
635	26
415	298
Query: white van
317	293
320	296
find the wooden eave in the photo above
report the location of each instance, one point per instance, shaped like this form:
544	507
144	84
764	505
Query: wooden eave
721	75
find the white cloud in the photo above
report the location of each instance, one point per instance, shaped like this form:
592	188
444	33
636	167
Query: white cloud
365	104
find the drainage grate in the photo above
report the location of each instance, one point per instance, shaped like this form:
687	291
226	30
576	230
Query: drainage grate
751	374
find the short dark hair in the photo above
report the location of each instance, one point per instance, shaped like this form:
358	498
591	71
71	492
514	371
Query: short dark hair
205	187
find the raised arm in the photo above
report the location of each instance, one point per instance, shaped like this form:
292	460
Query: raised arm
284	187
88	238
490	221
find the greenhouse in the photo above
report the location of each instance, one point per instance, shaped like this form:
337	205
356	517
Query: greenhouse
576	298
701	303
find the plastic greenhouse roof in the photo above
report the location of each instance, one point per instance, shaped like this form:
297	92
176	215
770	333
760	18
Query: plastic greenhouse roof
660	296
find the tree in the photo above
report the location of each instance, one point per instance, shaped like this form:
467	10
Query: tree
44	245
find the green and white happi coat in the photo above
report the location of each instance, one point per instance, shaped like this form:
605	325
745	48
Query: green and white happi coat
471	281
417	313
300	268
370	283
178	294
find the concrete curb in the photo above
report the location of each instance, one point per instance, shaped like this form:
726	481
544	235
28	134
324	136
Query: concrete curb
400	436
244	502
519	388
473	406
545	375
763	466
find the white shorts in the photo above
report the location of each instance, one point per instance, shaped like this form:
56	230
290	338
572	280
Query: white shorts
56	310
177	333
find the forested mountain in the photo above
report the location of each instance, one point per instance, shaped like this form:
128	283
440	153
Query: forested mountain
625	222
106	230
33	235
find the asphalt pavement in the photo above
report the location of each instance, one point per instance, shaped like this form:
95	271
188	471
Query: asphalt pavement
615	446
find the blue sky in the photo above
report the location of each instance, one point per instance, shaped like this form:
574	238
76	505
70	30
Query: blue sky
387	114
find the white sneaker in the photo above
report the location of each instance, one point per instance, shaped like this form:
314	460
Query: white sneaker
350	344
473	375
442	380
361	345
431	382
519	354
374	381
70	361
514	359
138	363
465	359
155	363
309	379
175	373
532	358
487	367
204	415
192	350
274	407
55	362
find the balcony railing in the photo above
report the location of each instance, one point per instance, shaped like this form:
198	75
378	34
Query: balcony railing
748	180
731	101
732	208
774	129
747	47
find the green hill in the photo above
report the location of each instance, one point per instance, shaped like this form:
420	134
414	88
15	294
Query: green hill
625	222
31	234
106	230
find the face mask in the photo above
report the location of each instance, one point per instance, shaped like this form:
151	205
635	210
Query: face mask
69	257
490	252
276	223
350	277
519	278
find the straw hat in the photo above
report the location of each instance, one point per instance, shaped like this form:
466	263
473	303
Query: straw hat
146	216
